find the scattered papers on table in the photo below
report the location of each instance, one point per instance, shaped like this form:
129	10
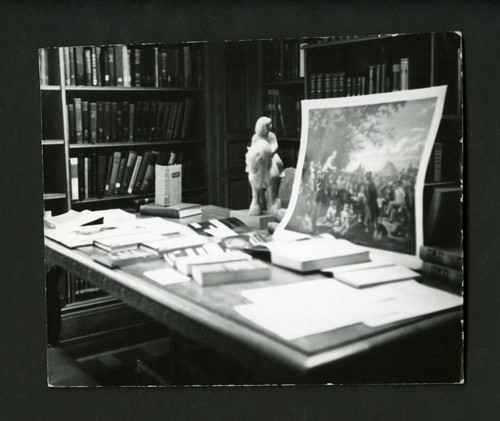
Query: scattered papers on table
310	307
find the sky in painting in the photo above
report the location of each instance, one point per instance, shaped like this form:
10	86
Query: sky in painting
411	124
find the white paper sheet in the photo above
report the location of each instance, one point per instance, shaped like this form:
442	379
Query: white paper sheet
306	308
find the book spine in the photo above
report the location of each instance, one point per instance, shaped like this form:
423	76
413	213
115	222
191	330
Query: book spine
100	122
159	121
43	66
98	66
149	175
86	177
135	172
442	273
93	56
158	211
109	169
142	172
129	168
114	122
152	121
114	172
79	67
438	161
92	171
119	175
78	120
102	161
131	119
137	74
73	161
107	121
93	122
71	123
105	67
441	257
405	74
125	114
156	66
87	60
127	78
85	122
396	77
371	80
66	65
119	65
111	66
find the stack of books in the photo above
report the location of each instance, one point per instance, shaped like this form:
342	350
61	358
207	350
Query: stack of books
180	210
443	264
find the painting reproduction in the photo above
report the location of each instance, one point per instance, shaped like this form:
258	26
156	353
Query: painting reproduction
361	168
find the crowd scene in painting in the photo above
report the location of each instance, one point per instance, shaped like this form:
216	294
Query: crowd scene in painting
379	204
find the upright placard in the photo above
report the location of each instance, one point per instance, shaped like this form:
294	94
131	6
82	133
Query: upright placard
168	185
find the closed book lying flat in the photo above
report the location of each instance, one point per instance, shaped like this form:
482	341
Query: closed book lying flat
186	264
376	276
442	273
316	253
181	210
124	242
448	257
174	243
336	270
125	257
230	272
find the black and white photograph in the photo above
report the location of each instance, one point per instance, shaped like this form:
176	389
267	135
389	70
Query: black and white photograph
267	212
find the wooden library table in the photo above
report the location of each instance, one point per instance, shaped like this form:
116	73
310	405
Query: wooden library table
425	349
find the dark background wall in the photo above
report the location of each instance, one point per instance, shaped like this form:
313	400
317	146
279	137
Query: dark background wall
27	26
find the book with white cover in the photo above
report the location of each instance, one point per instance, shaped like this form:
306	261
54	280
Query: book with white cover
376	276
316	253
186	264
230	272
174	243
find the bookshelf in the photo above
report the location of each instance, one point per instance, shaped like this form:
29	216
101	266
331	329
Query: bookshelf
101	102
283	89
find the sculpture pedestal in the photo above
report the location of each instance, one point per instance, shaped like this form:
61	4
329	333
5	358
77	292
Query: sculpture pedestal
256	222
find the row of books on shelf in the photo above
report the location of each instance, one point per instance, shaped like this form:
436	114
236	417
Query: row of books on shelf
443	264
122	65
284	111
75	290
284	60
118	173
144	121
378	78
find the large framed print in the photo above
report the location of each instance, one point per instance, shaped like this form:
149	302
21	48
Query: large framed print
361	169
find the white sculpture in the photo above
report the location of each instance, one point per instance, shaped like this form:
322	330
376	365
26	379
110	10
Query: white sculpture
264	168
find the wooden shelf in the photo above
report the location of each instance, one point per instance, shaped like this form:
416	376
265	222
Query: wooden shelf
134	144
54	196
346	41
133	89
52	142
277	83
111	198
50	88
